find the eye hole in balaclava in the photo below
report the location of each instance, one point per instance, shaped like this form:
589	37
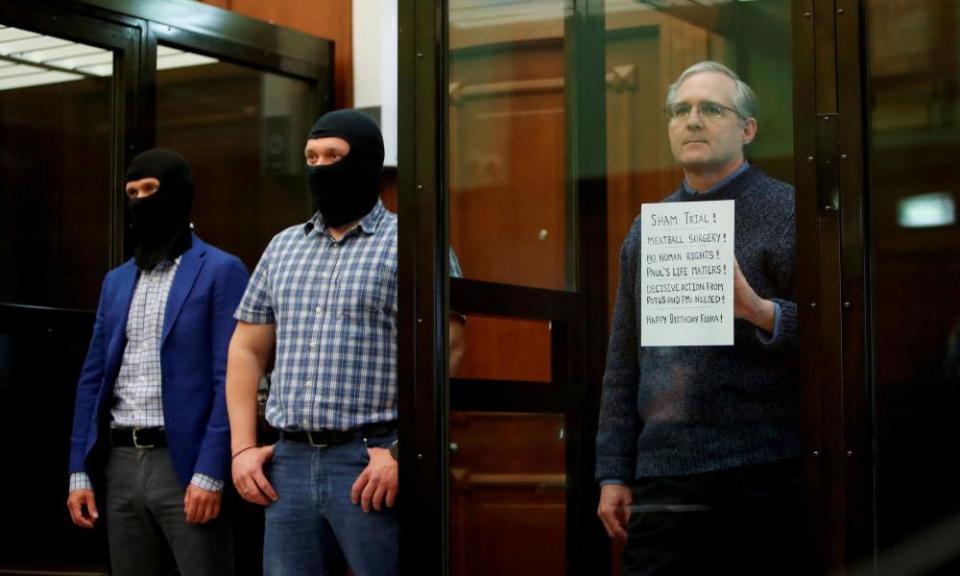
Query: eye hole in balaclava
161	220
348	189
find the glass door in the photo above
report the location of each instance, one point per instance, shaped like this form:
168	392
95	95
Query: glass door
513	216
914	242
65	107
534	133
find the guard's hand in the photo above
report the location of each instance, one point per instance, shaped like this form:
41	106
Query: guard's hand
614	509
248	476
83	508
201	506
378	483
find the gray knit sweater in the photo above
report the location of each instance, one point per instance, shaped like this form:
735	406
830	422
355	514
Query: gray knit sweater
684	410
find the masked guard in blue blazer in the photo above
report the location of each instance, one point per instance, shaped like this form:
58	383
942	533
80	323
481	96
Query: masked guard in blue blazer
150	424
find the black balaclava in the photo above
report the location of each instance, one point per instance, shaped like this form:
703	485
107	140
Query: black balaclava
162	220
348	189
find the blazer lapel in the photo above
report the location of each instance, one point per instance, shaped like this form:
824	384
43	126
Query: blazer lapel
190	265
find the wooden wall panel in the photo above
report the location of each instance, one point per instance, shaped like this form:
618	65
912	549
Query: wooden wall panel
329	19
507	186
508	224
506	349
507	164
508	494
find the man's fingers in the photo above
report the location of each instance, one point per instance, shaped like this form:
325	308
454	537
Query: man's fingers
614	527
614	520
606	521
357	489
267	452
91	503
251	492
377	482
80	520
367	495
194	502
191	510
214	510
249	479
264	486
83	508
378	496
76	514
204	513
255	496
201	506
608	526
620	524
620	516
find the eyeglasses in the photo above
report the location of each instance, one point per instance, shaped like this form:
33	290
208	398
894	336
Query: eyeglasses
706	109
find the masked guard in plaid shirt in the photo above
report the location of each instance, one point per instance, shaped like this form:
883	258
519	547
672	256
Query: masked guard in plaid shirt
323	299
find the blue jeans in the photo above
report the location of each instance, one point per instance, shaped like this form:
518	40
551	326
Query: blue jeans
313	529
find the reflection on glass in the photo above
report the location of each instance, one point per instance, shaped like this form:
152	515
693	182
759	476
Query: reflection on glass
56	122
243	132
55	133
506	349
507	507
729	412
646	49
32	59
914	175
701	443
927	210
509	210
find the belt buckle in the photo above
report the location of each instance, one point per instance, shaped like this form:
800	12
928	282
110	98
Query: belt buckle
312	443
137	443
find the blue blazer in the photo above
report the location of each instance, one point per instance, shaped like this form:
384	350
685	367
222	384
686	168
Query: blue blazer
197	326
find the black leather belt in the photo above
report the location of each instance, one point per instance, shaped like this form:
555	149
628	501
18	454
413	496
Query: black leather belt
138	438
321	438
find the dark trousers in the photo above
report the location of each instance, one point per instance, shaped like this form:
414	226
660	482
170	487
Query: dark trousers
742	521
146	523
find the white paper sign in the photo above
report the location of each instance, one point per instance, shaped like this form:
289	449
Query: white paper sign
687	274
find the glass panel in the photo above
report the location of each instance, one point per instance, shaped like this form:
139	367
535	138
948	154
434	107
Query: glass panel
507	508
706	414
503	349
729	411
56	123
243	133
55	133
509	206
30	376
646	50
914	175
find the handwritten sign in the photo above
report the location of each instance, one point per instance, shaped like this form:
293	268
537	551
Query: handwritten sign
687	274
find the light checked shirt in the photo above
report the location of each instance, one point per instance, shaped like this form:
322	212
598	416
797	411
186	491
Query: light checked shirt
334	305
137	392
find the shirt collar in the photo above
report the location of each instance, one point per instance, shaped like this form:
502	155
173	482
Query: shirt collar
368	224
740	170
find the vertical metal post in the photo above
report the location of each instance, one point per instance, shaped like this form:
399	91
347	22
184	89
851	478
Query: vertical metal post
423	298
588	549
